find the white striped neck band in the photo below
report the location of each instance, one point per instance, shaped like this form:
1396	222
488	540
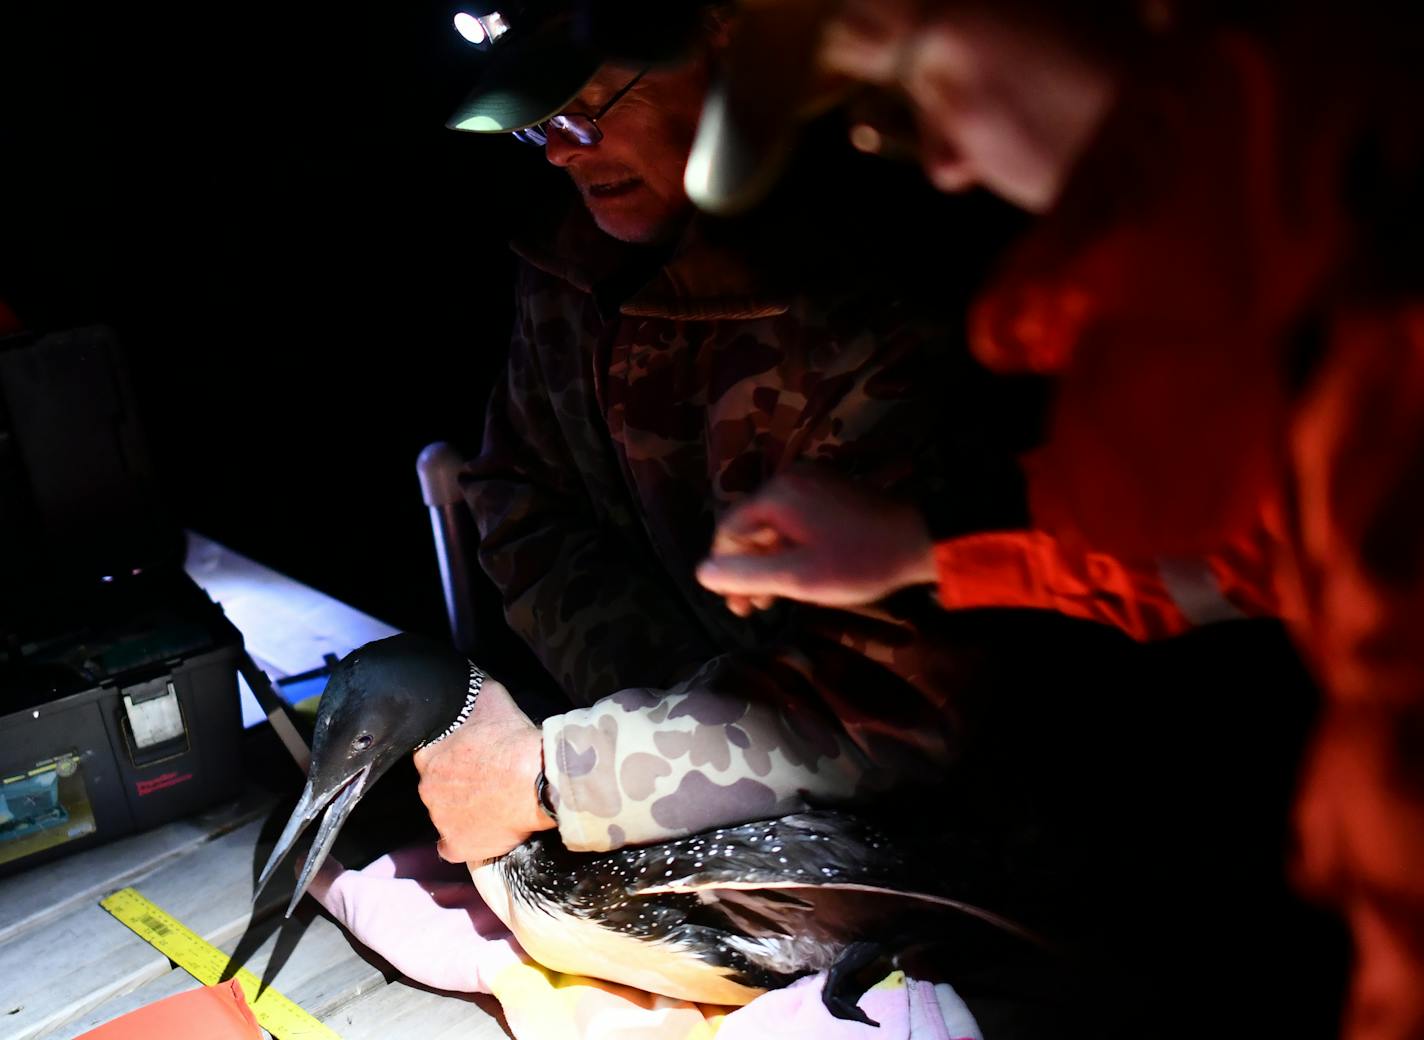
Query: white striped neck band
477	680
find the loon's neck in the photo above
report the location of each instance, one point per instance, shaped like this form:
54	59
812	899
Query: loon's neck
492	882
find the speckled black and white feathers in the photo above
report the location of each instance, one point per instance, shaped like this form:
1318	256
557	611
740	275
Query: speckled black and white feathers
477	680
771	900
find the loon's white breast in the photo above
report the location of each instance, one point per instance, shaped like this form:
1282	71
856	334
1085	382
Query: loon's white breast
717	917
576	946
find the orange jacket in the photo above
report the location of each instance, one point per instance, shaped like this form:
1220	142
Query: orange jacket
1165	288
1231	379
1355	576
1150	599
1354	582
1161	291
1241	366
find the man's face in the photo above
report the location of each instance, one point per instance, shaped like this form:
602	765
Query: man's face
631	180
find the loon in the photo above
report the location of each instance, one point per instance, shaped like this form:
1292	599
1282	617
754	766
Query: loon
717	917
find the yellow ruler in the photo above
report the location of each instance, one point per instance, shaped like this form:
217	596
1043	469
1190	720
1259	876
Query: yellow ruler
206	963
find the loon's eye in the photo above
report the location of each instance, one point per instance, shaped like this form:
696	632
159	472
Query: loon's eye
362	742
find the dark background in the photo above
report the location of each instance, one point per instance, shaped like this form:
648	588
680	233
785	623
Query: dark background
307	271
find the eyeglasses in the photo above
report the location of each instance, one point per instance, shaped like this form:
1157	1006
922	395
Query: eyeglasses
579	127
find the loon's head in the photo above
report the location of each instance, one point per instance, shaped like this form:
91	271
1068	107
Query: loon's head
383	701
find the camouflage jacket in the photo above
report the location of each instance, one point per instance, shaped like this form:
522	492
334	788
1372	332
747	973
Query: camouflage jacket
642	398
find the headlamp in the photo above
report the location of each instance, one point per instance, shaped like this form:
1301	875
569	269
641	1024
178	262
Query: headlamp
481	30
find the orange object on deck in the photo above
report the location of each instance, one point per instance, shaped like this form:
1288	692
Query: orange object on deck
213	1013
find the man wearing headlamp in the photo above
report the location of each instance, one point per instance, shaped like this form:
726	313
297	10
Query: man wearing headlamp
661	370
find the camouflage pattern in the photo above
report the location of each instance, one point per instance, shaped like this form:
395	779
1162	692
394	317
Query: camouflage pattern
640	405
647	763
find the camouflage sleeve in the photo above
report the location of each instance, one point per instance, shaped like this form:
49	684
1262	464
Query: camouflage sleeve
748	736
565	578
645	765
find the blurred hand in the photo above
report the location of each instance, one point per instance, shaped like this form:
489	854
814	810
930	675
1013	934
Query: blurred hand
478	783
819	538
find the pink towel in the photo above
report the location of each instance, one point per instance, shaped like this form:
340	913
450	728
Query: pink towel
425	917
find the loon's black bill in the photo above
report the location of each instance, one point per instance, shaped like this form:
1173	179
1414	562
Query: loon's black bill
338	802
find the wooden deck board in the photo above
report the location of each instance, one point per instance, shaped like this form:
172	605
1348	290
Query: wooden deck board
401	1010
325	969
84	956
37	896
76	967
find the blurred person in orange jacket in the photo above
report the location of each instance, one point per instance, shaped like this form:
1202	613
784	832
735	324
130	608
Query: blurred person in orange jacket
1225	282
1009	105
